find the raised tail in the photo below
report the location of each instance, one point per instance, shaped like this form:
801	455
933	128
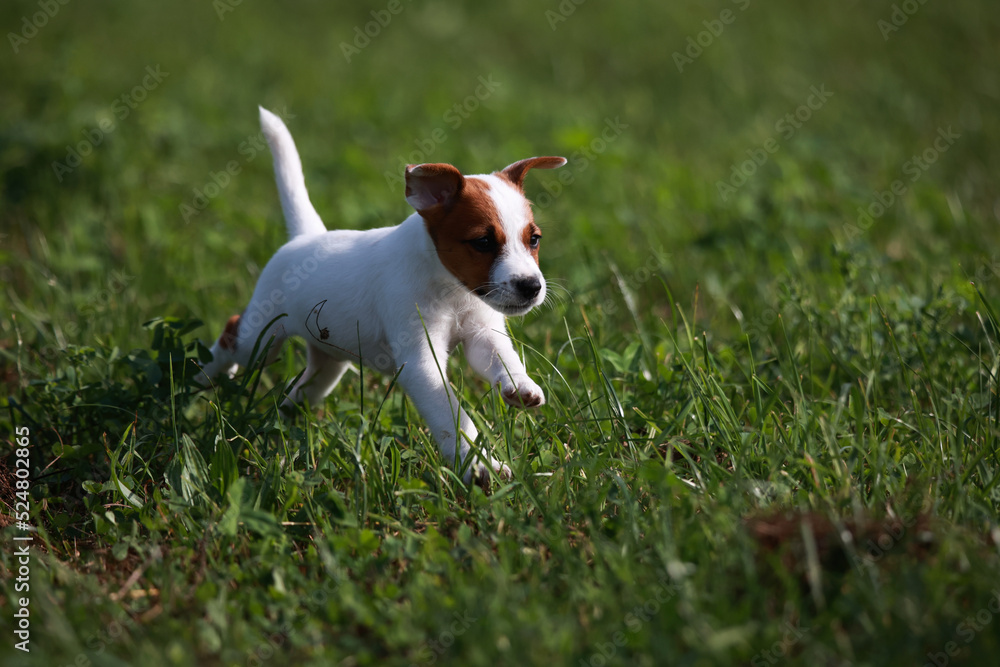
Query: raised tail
300	216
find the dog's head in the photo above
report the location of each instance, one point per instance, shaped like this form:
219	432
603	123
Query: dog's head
483	229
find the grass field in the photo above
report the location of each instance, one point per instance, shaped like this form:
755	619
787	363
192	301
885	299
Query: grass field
771	434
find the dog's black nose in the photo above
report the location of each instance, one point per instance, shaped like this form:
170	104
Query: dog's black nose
528	287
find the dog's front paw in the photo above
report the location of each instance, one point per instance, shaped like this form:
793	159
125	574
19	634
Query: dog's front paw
522	392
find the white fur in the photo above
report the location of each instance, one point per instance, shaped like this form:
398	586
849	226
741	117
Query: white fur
383	298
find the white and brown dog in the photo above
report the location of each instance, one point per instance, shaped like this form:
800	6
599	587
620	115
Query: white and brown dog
399	299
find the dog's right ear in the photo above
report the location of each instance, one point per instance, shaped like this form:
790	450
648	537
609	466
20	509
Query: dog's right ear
431	188
515	172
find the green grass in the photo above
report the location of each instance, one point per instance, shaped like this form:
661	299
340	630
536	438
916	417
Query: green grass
771	432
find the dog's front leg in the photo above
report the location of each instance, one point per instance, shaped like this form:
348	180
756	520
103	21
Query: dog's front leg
491	354
427	386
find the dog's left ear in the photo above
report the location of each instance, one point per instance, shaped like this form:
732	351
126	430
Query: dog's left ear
432	187
515	172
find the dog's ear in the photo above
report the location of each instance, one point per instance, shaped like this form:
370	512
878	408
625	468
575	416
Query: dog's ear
515	172
432	187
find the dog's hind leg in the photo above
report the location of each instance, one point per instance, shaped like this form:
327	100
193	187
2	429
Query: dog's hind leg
236	345
322	374
223	354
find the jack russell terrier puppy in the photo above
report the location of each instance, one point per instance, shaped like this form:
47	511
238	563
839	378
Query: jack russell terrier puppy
399	299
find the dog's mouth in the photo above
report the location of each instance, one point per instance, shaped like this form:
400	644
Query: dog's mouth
504	303
512	310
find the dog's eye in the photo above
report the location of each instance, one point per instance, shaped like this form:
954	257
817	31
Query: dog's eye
483	244
534	240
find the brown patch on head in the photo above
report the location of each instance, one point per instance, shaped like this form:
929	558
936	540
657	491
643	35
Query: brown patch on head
467	232
227	341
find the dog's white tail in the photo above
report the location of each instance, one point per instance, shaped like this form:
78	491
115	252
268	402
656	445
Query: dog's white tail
300	216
